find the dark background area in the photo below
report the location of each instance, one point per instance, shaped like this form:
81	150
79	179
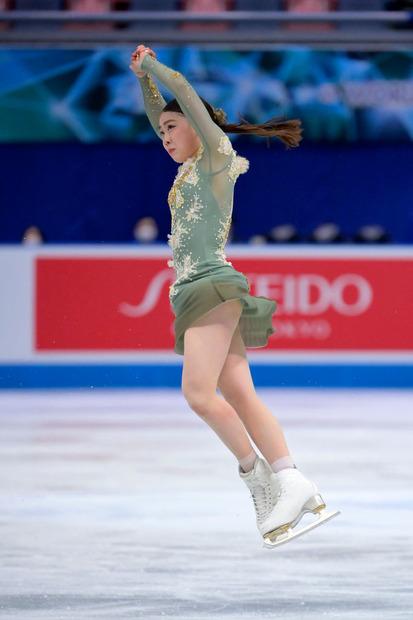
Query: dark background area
95	193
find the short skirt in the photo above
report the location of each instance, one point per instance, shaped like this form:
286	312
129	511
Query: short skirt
196	298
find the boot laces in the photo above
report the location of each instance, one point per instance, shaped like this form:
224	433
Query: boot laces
262	498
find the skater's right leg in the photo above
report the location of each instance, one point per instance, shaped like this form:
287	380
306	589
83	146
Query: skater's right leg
207	342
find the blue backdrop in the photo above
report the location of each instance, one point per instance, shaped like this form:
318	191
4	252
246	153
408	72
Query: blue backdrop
77	192
79	159
92	96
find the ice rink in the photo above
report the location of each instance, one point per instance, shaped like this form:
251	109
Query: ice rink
122	504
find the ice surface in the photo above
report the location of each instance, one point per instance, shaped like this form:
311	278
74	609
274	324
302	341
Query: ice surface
123	505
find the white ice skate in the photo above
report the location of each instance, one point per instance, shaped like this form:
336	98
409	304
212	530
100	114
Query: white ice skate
260	482
296	495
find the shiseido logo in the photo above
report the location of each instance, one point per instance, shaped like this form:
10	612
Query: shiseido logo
348	294
151	297
312	294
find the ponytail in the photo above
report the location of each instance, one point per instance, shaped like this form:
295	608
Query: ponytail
288	131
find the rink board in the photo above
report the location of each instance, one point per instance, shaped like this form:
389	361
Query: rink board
82	316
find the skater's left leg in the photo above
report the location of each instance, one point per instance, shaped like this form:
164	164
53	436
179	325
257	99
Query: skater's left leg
289	491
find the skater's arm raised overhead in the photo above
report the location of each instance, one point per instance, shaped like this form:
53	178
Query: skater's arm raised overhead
208	123
193	108
153	101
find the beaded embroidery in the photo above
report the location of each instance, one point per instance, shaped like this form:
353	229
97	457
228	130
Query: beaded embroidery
193	213
155	94
225	146
185	171
179	199
184	271
223	233
222	257
222	237
175	239
191	177
200	208
187	268
239	165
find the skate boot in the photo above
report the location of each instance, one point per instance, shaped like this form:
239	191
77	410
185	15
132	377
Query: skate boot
263	492
296	495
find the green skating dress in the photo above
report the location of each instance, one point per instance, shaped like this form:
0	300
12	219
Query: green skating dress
201	207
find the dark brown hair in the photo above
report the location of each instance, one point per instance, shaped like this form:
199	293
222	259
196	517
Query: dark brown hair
288	131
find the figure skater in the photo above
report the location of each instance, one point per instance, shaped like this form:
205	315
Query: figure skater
215	316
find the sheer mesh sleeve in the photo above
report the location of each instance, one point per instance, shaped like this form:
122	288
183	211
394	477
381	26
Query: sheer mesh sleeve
153	101
213	138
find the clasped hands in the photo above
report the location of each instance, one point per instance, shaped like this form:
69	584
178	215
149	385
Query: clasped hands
137	57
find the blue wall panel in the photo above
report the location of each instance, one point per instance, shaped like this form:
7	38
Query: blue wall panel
81	193
169	375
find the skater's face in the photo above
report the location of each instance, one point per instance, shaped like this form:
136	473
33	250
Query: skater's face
178	137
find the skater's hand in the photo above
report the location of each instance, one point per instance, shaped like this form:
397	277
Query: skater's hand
136	59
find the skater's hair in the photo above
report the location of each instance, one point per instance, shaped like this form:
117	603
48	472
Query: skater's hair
288	131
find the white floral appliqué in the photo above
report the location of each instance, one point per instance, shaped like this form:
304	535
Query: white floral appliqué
184	270
222	236
239	165
187	268
193	213
225	146
175	239
191	177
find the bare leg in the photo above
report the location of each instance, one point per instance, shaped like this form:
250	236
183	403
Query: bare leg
207	343
235	384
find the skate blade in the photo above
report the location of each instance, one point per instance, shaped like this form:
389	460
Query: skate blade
287	533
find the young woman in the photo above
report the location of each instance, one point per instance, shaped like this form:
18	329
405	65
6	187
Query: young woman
216	317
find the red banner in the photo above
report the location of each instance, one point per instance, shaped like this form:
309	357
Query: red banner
326	303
